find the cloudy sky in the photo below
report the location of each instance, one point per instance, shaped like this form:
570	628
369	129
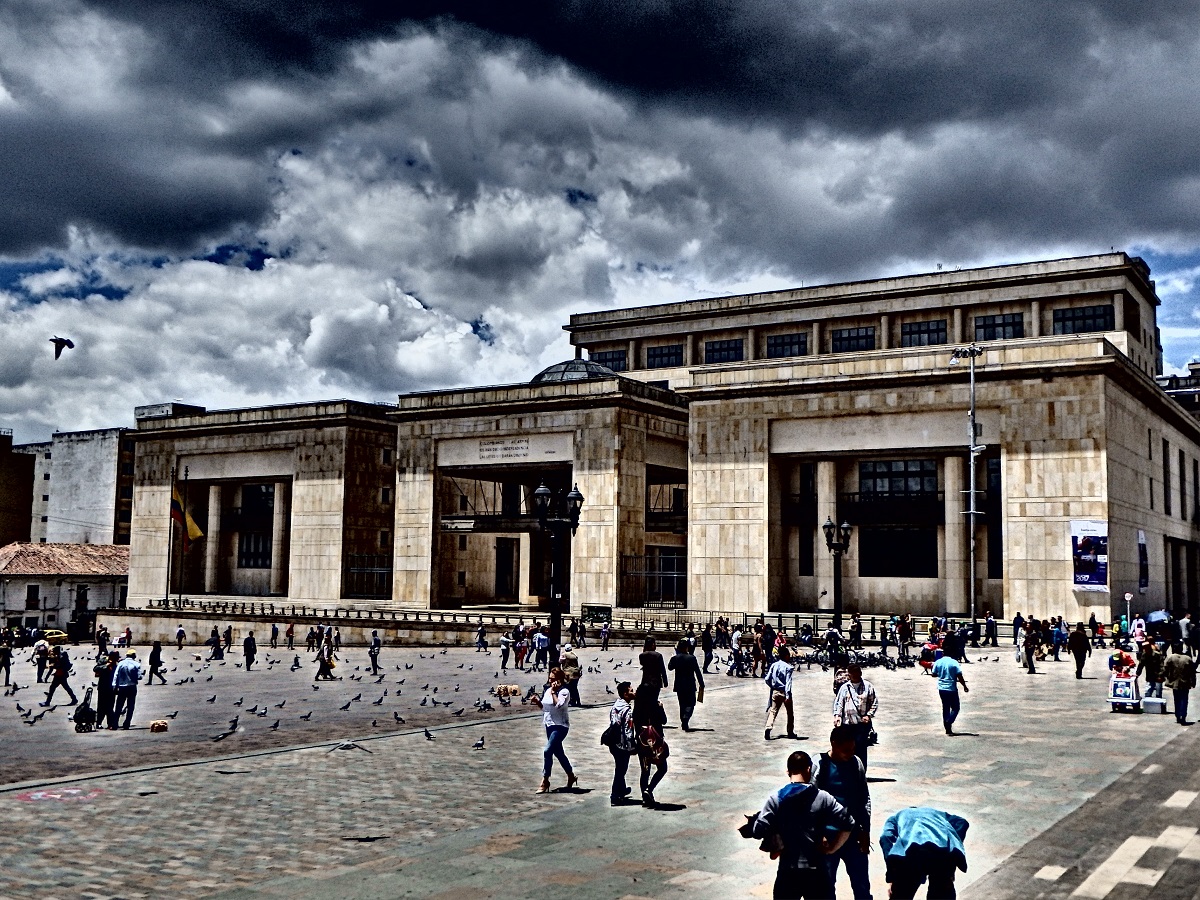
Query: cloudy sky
239	202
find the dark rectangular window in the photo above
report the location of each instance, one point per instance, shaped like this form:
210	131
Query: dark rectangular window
781	345
462	579
45	476
33	596
127	492
723	351
462	543
254	550
127	446
848	340
45	518
898	476
922	334
385	538
1082	319
47	454
1166	447
387	456
385	495
665	385
1196	489
1182	485
995	533
996	328
124	515
898	552
664	357
45	498
617	360
126	468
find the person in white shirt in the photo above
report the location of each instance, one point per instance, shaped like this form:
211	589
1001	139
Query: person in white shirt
856	705
555	703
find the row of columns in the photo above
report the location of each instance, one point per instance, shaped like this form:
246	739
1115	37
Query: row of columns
955	571
212	546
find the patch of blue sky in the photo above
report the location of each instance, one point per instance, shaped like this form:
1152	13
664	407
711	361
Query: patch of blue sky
253	258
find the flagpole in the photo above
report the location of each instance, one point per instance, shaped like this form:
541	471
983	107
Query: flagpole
170	541
186	536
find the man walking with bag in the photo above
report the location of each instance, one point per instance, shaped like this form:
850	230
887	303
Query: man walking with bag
779	683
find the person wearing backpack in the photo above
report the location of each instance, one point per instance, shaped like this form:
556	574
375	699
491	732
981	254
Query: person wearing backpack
842	774
621	743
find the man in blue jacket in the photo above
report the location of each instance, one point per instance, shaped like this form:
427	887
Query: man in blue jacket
918	843
125	681
798	816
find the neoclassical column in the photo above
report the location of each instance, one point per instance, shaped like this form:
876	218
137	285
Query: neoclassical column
212	542
1035	315
955	557
826	508
278	531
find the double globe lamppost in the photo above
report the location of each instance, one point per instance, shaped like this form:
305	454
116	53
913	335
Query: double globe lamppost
556	513
837	539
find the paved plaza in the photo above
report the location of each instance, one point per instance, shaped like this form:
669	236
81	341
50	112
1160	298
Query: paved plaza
1064	798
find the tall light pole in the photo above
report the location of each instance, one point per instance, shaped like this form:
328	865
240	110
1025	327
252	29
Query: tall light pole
554	525
837	539
971	352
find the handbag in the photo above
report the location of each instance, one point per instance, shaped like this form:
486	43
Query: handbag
611	735
700	695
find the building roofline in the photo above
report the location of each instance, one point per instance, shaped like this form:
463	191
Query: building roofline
276	416
848	291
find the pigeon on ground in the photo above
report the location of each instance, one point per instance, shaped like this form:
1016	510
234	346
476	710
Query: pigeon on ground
478	745
238	702
460	712
274	727
346	707
399	719
233	723
60	344
172	715
254	708
262	714
222	736
607	689
316	687
356	698
424	701
279	705
460	665
378	702
410	665
428	736
209	678
212	699
307	716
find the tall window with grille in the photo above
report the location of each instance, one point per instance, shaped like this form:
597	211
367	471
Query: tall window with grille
1082	319
995	534
617	360
922	334
723	351
782	345
1001	327
254	526
1166	464
897	550
664	357
848	340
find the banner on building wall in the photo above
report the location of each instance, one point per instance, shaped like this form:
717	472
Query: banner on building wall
1089	554
1143	563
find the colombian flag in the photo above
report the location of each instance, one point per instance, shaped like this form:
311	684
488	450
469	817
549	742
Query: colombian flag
192	530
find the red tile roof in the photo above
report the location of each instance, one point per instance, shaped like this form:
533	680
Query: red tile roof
64	559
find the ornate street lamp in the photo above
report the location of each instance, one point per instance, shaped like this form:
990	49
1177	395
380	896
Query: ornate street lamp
554	526
837	539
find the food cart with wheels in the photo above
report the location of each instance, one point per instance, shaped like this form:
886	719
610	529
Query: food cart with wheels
1124	693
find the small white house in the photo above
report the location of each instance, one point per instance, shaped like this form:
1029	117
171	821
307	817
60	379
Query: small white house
61	585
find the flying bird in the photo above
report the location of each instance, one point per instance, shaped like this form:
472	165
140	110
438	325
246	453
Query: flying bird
61	343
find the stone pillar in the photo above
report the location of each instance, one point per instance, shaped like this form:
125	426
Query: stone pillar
955	553
885	333
278	537
956	326
816	342
212	541
751	344
689	351
827	486
1118	302
1035	314
631	356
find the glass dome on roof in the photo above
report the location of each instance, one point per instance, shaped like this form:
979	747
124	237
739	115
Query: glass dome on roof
573	370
